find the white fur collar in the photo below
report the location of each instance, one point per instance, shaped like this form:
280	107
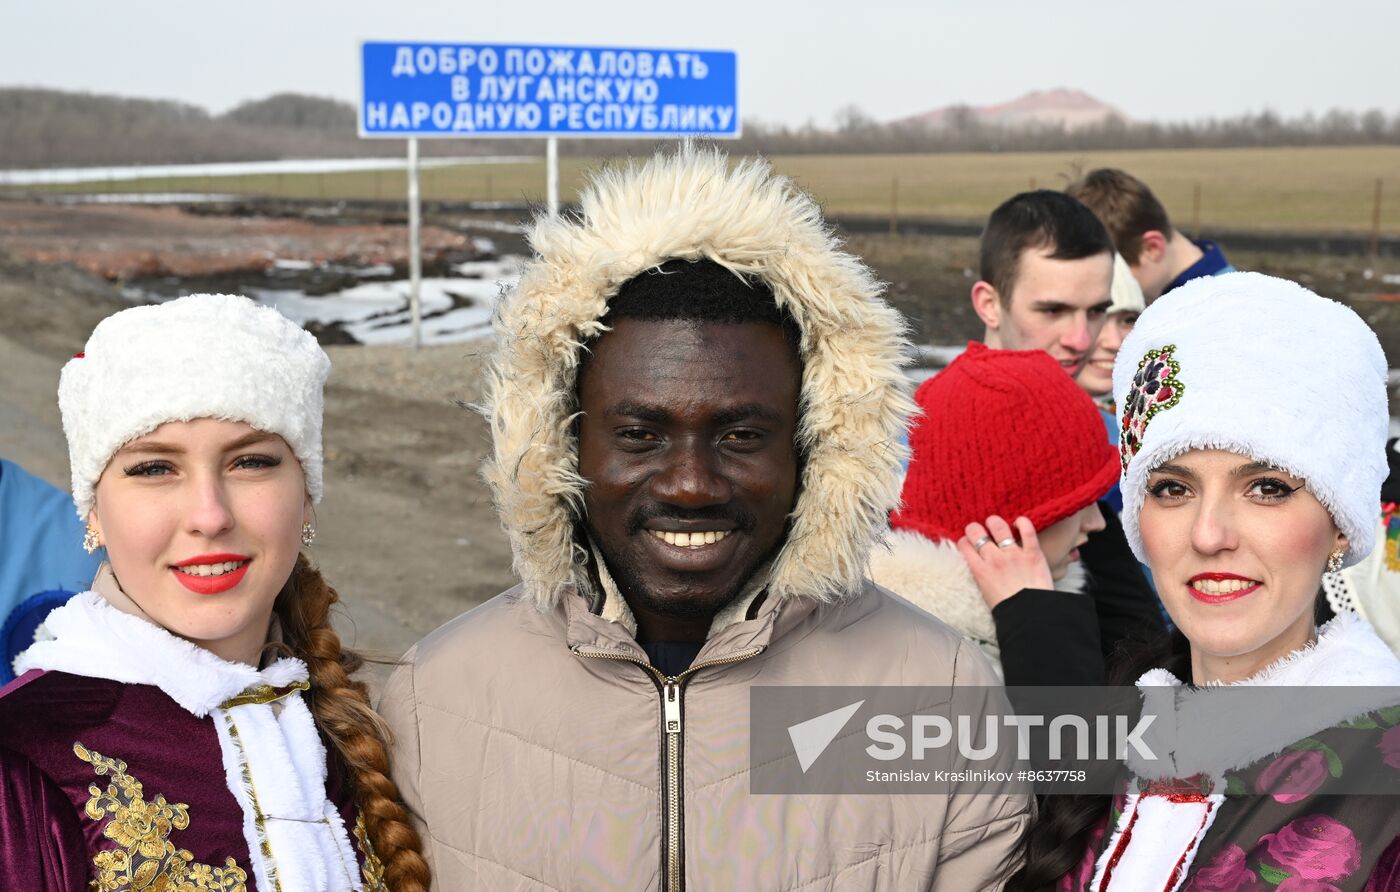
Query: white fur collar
94	639
1347	654
933	575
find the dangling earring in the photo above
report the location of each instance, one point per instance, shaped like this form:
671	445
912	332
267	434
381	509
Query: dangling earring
91	541
308	534
1334	561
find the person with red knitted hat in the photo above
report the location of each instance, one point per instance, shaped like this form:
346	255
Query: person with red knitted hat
1005	436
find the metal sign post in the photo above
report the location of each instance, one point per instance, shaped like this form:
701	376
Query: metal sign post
551	174
415	239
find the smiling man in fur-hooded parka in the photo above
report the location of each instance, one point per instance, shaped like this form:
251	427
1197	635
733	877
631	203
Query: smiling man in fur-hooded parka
695	406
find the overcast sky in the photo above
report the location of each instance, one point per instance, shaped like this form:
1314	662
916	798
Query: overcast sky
797	61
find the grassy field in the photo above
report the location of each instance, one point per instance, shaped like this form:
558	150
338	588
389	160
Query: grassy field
1312	189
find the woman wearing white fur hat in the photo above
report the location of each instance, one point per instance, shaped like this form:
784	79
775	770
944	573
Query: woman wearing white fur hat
1253	418
170	732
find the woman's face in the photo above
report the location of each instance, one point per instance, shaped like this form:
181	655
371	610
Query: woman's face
1060	541
202	524
1237	550
1097	375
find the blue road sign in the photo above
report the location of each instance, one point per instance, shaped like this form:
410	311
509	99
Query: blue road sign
480	89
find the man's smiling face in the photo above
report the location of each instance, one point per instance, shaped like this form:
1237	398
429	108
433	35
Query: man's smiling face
688	443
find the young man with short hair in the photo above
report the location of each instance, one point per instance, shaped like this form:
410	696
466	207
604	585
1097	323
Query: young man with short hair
1046	270
1160	257
1047	275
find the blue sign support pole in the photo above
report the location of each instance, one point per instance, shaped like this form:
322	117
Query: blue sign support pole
415	244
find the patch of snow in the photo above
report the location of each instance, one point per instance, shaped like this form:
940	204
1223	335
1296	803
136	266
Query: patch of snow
507	268
491	225
937	356
240	168
379	313
141	198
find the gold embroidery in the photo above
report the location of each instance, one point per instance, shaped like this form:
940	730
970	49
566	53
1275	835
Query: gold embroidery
147	860
263	693
259	819
373	869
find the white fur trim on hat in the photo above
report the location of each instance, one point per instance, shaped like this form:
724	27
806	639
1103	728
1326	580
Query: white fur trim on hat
1126	293
203	356
1264	368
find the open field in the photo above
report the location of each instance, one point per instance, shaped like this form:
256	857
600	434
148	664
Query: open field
1277	189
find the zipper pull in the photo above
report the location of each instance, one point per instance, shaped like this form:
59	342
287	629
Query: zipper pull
672	706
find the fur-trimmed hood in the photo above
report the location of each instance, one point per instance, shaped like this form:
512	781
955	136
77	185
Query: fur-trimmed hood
933	576
692	205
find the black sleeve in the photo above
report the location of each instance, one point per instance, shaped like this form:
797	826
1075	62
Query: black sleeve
1127	607
1390	489
1049	638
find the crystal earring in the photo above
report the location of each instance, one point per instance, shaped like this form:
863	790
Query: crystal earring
308	534
1334	561
91	541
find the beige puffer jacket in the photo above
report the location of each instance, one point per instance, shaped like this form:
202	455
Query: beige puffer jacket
533	740
536	748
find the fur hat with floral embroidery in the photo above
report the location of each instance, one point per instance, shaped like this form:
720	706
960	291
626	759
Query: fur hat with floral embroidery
1264	368
203	356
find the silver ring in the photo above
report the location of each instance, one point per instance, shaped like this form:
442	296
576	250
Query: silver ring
977	546
1006	543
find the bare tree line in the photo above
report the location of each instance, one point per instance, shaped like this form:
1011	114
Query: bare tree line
857	132
50	128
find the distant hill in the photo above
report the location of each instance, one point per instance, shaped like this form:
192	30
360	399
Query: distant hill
1074	109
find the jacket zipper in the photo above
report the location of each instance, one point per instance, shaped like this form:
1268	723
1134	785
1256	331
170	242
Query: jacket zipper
671	689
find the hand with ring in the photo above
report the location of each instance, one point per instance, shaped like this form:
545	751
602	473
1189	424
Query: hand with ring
1000	564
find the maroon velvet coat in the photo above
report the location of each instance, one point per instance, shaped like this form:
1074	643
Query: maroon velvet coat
100	780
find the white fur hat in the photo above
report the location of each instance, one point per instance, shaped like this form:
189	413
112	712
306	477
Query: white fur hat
1264	368
1126	293
203	356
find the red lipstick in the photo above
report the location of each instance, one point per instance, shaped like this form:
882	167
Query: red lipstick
1206	598
211	585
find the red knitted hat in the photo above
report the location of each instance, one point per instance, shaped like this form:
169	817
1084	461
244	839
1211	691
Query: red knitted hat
1003	432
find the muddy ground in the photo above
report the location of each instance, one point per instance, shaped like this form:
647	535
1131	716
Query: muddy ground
406	531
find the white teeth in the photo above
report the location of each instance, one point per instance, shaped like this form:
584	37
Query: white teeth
212	569
690	540
1222	587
